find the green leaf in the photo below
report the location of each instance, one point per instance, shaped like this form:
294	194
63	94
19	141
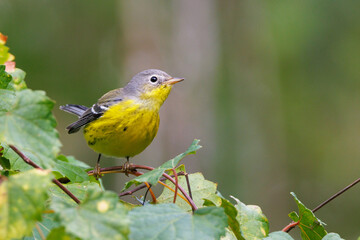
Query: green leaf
7	96
16	162
152	177
4	50
30	126
332	236
253	223
229	235
18	80
22	202
99	216
168	221
71	168
310	226
60	234
79	190
232	214
279	236
5	78
200	188
46	225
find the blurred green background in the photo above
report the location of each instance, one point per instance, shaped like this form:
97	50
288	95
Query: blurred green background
272	88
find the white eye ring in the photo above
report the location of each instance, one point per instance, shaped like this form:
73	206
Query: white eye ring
153	79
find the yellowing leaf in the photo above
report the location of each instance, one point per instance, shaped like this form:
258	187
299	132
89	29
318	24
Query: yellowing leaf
22	201
200	188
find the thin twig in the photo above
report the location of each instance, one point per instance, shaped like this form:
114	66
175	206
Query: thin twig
133	168
192	203
147	190
188	184
176	185
336	195
290	226
293	224
137	173
28	161
130	192
180	195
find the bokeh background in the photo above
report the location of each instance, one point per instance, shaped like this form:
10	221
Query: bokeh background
272	88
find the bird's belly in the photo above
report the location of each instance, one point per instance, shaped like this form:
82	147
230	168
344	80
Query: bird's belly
123	133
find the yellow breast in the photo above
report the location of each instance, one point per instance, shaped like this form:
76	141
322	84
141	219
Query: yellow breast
124	130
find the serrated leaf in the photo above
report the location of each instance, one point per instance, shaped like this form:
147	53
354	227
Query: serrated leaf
72	169
18	79
332	236
152	177
30	126
4	50
253	223
16	162
79	190
5	78
310	226
279	236
22	201
229	235
60	234
232	213
168	221
200	188
99	216
46	225
7	95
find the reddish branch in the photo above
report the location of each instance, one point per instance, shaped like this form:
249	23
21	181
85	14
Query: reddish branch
31	163
294	224
142	186
176	185
188	184
133	168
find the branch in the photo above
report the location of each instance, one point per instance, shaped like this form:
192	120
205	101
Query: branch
133	168
188	184
294	224
130	192
176	185
31	163
192	203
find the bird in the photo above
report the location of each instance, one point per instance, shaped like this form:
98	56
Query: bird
124	121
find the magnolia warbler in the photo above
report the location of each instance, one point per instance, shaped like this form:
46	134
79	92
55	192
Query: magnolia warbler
124	121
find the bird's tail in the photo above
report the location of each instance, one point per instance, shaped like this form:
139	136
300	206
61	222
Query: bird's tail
78	110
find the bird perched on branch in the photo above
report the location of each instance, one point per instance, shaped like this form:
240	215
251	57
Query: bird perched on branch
124	121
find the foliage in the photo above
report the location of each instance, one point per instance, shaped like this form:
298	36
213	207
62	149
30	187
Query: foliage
32	207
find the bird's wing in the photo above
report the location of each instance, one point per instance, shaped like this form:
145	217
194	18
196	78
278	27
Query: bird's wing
97	110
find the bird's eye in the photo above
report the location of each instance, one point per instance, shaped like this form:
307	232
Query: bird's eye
153	79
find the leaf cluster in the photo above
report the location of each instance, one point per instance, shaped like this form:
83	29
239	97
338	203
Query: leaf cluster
32	207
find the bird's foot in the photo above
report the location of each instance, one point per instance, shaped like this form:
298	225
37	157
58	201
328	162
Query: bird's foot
97	171
126	168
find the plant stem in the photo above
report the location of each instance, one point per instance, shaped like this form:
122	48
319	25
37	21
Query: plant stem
294	224
31	163
130	192
188	184
336	195
134	167
290	226
176	185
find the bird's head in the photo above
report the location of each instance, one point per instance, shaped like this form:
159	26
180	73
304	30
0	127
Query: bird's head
152	85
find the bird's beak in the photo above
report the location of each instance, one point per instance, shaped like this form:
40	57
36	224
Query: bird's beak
172	81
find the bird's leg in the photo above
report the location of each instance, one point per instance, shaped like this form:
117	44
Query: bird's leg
97	170
126	166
